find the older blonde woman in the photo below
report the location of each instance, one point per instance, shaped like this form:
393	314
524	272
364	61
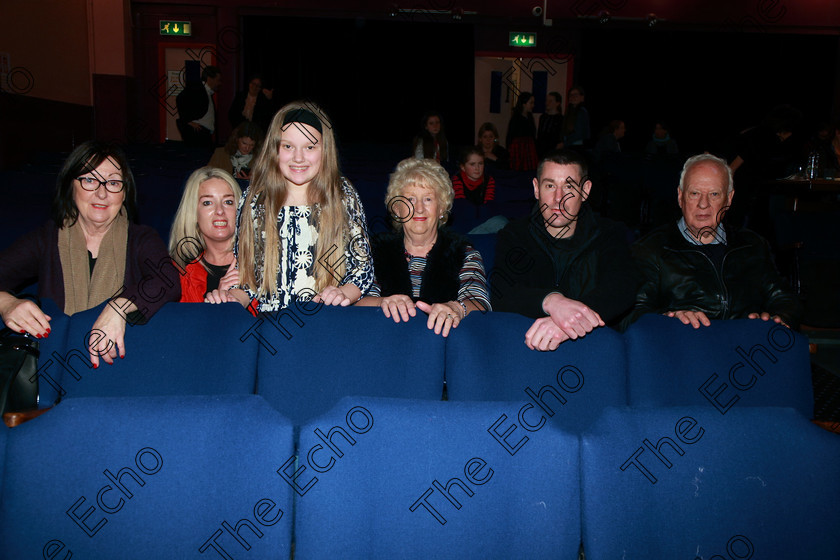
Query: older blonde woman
422	265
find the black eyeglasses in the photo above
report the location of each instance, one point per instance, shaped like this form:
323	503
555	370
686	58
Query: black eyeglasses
92	183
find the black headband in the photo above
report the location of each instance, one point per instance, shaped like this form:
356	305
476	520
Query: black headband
304	116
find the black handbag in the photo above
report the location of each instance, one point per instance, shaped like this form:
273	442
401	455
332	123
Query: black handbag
18	371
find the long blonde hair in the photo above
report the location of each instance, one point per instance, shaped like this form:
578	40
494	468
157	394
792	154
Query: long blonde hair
268	188
186	243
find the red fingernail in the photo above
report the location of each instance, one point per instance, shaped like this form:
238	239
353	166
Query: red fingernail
22	331
122	356
37	336
49	331
95	366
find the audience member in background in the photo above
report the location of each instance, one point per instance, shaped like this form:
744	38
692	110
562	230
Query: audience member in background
608	143
765	153
576	122
197	110
431	142
237	155
301	232
495	156
89	251
201	240
254	105
661	144
564	266
422	265
522	134
550	131
472	183
696	269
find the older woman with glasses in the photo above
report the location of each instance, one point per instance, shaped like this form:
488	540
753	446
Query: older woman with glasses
88	253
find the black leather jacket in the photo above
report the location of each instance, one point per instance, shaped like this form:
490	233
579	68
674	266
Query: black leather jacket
679	276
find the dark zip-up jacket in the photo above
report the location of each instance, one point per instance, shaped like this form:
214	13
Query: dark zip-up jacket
594	267
677	275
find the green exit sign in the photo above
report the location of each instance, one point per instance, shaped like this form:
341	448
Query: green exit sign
175	28
518	39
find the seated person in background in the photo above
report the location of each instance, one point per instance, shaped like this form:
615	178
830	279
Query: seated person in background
301	232
425	266
576	122
661	144
238	154
90	252
697	269
472	183
563	265
495	156
608	142
431	142
201	240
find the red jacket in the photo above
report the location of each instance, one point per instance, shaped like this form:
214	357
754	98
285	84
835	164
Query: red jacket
194	285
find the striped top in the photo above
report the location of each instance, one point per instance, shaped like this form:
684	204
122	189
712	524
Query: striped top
472	279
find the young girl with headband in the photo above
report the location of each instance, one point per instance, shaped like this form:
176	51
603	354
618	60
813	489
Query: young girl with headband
300	231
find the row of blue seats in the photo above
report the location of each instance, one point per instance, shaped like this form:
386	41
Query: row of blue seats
218	477
303	359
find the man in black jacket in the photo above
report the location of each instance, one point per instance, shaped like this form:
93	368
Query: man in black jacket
564	266
697	269
196	109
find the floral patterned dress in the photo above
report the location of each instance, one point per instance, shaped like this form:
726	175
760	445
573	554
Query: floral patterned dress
298	240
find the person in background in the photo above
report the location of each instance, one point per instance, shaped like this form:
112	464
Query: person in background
696	269
661	144
201	240
237	155
576	122
608	143
495	156
301	233
472	183
197	110
422	265
254	105
522	134
90	252
431	142
550	130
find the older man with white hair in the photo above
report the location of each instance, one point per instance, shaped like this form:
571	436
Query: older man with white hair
697	269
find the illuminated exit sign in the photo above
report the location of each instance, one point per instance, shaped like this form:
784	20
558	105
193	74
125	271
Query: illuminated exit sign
522	39
175	28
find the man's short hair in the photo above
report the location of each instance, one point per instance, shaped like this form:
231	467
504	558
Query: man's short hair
565	157
209	72
700	158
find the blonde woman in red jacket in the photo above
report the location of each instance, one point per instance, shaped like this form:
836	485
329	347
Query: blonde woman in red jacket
201	240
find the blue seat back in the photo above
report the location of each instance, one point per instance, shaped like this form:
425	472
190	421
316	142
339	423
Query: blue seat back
185	349
487	359
312	355
425	479
148	477
731	363
690	482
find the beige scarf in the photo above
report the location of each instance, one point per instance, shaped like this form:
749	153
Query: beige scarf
81	290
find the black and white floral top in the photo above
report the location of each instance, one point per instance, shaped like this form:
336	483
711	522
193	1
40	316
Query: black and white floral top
298	239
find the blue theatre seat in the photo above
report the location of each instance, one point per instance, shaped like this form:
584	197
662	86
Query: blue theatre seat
731	363
311	355
185	349
389	478
487	359
4	433
148	477
485	243
689	482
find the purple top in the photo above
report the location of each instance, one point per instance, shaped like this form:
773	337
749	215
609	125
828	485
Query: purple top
151	279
